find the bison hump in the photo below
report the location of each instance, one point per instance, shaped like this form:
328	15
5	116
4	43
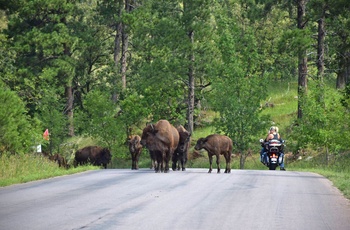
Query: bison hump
164	131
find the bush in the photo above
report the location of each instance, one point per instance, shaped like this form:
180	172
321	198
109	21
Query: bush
17	134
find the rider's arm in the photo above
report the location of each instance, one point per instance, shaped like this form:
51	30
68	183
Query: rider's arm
269	137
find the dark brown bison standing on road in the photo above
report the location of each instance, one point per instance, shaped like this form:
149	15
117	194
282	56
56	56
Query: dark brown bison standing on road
135	148
181	152
216	144
161	139
92	154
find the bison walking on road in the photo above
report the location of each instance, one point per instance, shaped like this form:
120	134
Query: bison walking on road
217	145
161	139
135	149
92	154
181	152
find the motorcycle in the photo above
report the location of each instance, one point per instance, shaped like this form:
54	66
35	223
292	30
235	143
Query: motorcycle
273	149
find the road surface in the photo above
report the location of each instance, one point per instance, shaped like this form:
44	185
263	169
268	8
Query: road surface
127	199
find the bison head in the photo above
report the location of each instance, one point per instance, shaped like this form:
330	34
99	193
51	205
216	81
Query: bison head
184	140
147	134
134	143
200	143
106	154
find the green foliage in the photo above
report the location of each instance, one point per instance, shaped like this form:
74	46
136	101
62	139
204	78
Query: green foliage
240	89
161	38
325	124
17	131
51	113
40	34
133	111
101	121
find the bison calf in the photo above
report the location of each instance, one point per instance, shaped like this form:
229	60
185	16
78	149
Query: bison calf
217	145
61	161
92	154
181	152
135	149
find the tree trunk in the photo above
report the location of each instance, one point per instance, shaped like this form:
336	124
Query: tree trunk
69	95
191	86
320	48
343	77
320	57
241	160
302	67
125	45
116	54
69	109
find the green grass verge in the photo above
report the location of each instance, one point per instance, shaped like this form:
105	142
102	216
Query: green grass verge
15	169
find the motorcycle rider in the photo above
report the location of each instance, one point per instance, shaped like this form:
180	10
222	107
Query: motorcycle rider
273	134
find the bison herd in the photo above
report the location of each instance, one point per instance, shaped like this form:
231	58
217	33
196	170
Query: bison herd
165	143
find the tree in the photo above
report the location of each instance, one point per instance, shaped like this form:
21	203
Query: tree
240	88
302	67
323	124
40	33
52	117
17	132
99	120
338	14
174	50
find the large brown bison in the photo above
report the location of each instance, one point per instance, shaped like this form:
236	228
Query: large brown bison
216	144
161	139
181	152
135	148
92	154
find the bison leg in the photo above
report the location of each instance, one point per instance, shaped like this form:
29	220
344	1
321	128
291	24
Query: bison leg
174	159
137	161
166	165
159	163
167	156
132	164
218	162
210	163
153	164
153	160
183	163
158	166
228	163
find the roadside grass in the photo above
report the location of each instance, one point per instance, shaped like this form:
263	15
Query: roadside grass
283	105
15	169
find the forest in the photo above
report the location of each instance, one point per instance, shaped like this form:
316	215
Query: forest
106	68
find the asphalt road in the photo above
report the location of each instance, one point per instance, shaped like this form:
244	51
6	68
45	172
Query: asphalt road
125	199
